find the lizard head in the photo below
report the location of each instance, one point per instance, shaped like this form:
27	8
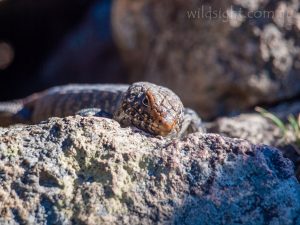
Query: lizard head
152	108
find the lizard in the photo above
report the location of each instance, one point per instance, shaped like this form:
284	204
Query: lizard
152	108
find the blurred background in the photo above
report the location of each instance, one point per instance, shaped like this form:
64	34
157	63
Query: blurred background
46	43
220	57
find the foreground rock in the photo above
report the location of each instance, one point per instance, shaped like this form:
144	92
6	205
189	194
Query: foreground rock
90	171
219	56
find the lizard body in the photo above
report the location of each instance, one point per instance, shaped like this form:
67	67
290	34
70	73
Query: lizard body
152	108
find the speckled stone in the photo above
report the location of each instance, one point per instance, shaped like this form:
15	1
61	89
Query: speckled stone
87	170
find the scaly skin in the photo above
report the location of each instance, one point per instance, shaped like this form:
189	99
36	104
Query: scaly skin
152	108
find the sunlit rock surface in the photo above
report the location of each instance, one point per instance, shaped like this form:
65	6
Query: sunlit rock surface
90	171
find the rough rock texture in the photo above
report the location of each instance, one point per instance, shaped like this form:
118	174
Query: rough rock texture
259	130
90	171
249	54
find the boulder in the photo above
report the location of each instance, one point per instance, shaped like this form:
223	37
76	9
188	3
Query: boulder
258	129
219	56
88	170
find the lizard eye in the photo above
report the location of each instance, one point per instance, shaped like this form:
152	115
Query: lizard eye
145	101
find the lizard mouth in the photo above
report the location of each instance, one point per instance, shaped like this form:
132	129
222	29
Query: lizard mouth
163	129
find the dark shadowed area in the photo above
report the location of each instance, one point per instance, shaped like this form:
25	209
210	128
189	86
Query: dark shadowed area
48	43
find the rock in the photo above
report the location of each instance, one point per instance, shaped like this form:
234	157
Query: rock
87	170
252	127
246	55
260	130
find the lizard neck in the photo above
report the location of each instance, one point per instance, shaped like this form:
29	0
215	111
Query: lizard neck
120	115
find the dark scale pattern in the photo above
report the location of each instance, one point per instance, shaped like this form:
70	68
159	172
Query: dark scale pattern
152	108
67	100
